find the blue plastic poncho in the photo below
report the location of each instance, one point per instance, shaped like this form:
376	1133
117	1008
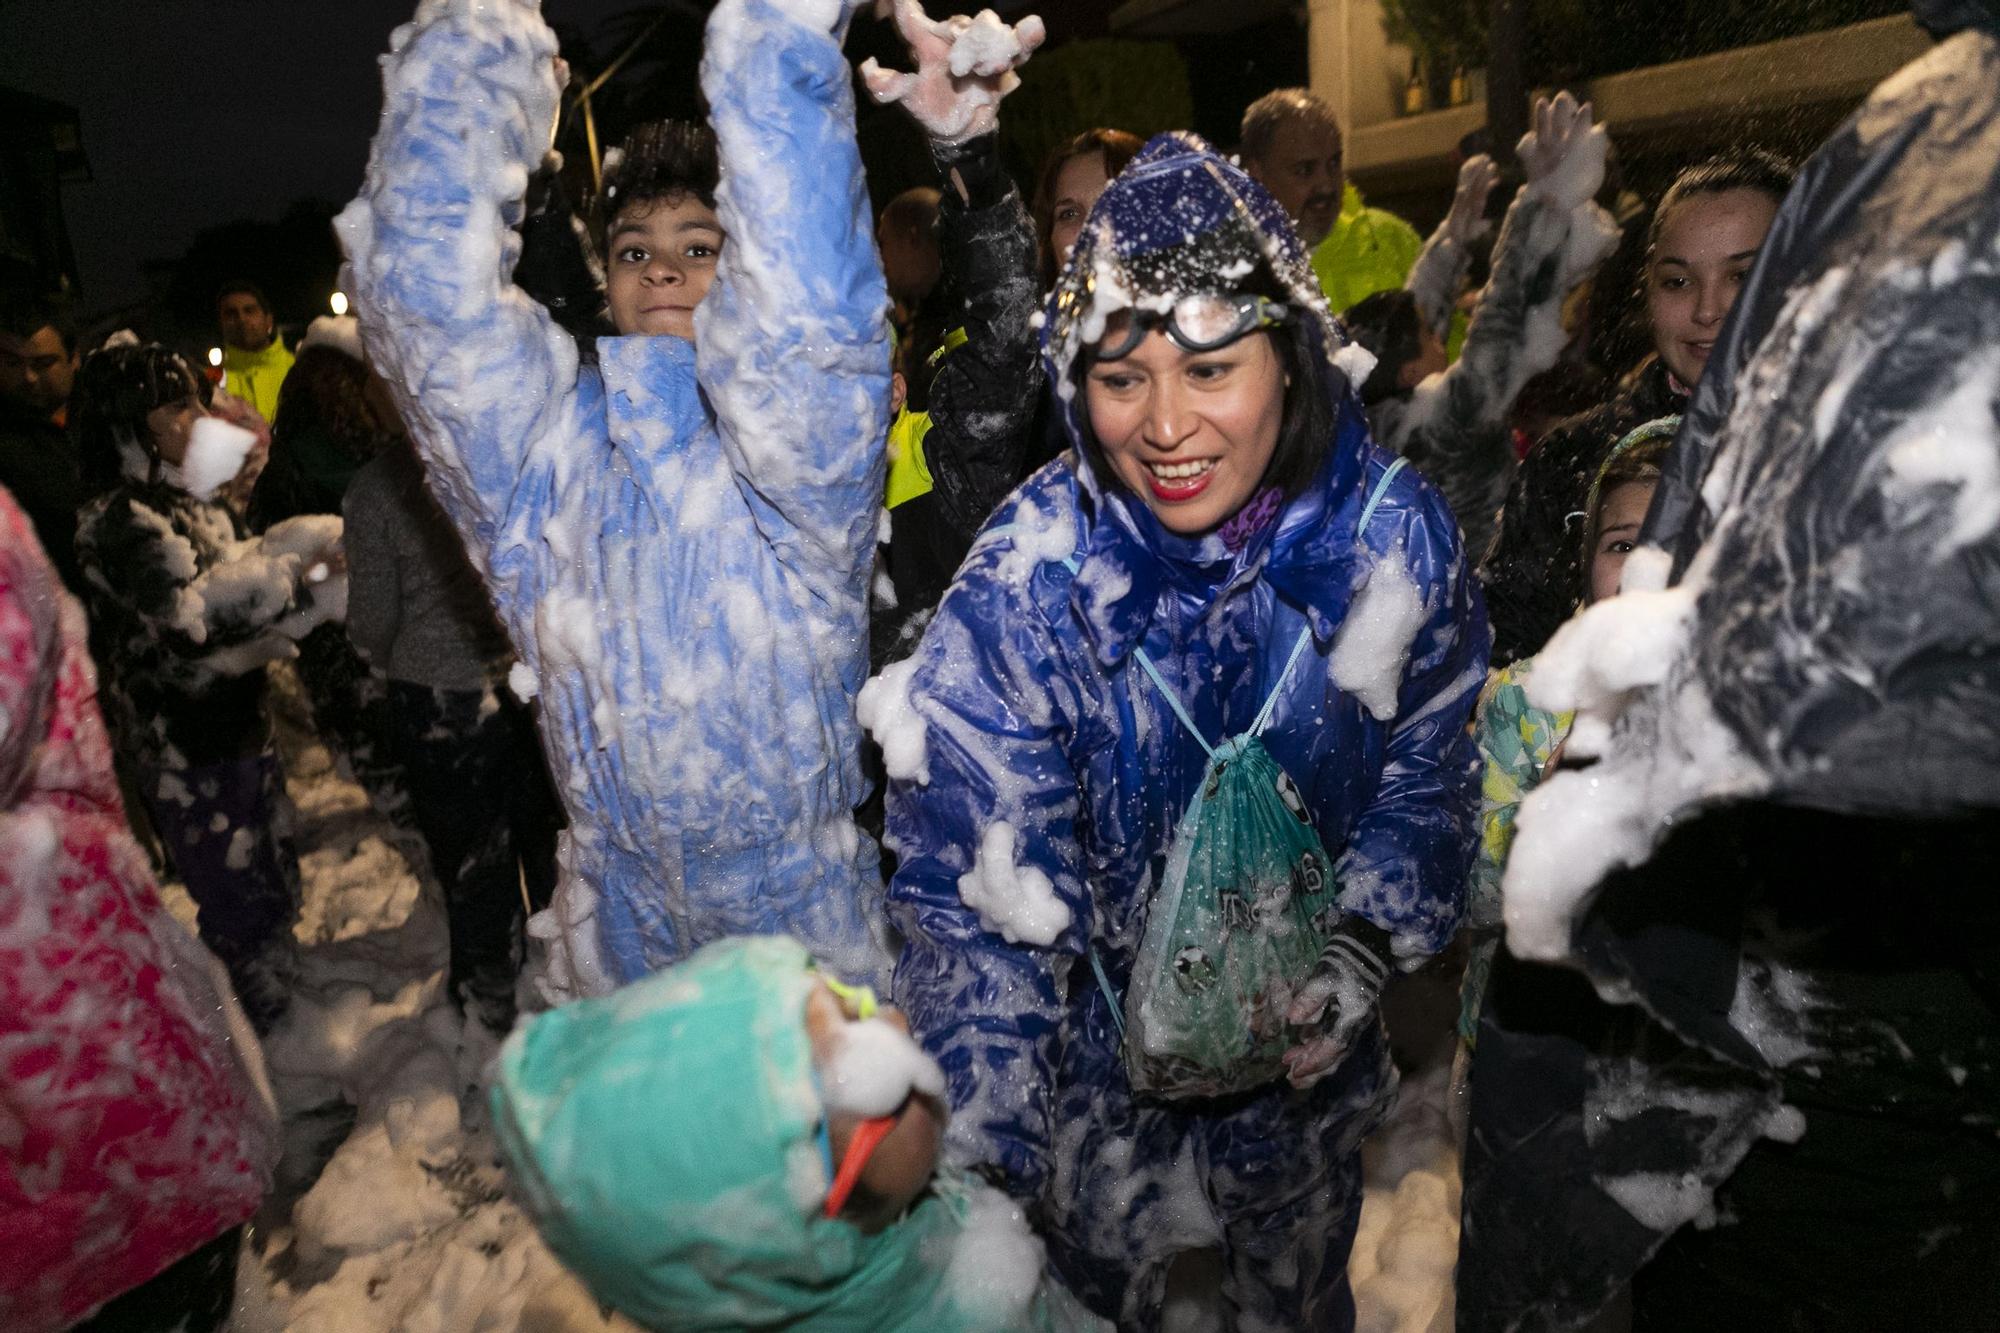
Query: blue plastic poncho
678	537
1035	716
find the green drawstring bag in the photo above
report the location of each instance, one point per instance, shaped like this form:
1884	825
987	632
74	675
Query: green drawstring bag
1238	921
1237	924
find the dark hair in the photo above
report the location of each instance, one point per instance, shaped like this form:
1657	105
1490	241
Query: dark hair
1737	169
327	389
914	210
1639	462
25	318
1117	147
1305	431
663	159
1389	325
1272	111
240	286
115	390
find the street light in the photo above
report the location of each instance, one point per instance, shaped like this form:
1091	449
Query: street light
339	303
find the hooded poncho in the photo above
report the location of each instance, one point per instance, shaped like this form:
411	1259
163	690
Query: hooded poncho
664	1140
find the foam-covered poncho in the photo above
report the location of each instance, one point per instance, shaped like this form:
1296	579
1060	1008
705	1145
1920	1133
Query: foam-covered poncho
1033	715
1782	856
679	537
136	1123
664	1138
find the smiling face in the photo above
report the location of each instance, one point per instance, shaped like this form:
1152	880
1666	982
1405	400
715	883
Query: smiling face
1190	433
1079	183
661	260
1705	250
1303	170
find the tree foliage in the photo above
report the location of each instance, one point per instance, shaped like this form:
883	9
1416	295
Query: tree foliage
1136	86
1573	40
1445	34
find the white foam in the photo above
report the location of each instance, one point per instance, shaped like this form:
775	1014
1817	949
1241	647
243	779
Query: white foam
1373	645
876	1068
1014	901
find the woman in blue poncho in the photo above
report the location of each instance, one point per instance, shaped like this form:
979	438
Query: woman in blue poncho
1223	552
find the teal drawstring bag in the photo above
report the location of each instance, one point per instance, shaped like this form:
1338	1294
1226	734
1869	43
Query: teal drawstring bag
1237	922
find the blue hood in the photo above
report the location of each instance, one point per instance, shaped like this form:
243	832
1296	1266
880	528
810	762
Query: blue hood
1181	219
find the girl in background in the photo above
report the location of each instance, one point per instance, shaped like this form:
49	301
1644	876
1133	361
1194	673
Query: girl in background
186	610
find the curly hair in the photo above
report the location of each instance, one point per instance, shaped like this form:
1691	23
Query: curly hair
327	390
663	159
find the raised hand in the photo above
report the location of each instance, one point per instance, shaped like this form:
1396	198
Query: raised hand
1564	153
964	67
1476	180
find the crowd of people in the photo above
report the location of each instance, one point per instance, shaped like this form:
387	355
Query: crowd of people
1124	622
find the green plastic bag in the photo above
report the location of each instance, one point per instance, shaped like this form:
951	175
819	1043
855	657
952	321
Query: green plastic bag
1237	924
1238	921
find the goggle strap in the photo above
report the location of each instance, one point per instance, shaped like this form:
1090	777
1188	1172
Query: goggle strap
862	998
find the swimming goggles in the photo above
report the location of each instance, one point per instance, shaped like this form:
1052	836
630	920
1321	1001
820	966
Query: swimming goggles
868	1135
1204	322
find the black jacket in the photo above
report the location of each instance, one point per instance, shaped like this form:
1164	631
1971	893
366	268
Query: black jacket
38	465
1534	574
983	438
184	613
1816	928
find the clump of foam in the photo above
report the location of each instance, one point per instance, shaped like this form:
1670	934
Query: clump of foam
1016	902
1373	645
215	454
885	708
996	1263
876	1068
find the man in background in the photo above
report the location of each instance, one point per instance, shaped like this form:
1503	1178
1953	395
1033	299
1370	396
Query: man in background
37	461
1291	145
255	359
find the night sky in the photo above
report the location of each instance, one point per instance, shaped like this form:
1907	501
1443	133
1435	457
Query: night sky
196	112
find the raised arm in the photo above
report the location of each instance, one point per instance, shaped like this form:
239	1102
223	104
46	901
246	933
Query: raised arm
982	403
1447	254
1555	236
480	371
1553	239
792	342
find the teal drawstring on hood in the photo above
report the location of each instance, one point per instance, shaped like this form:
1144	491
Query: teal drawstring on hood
664	1138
